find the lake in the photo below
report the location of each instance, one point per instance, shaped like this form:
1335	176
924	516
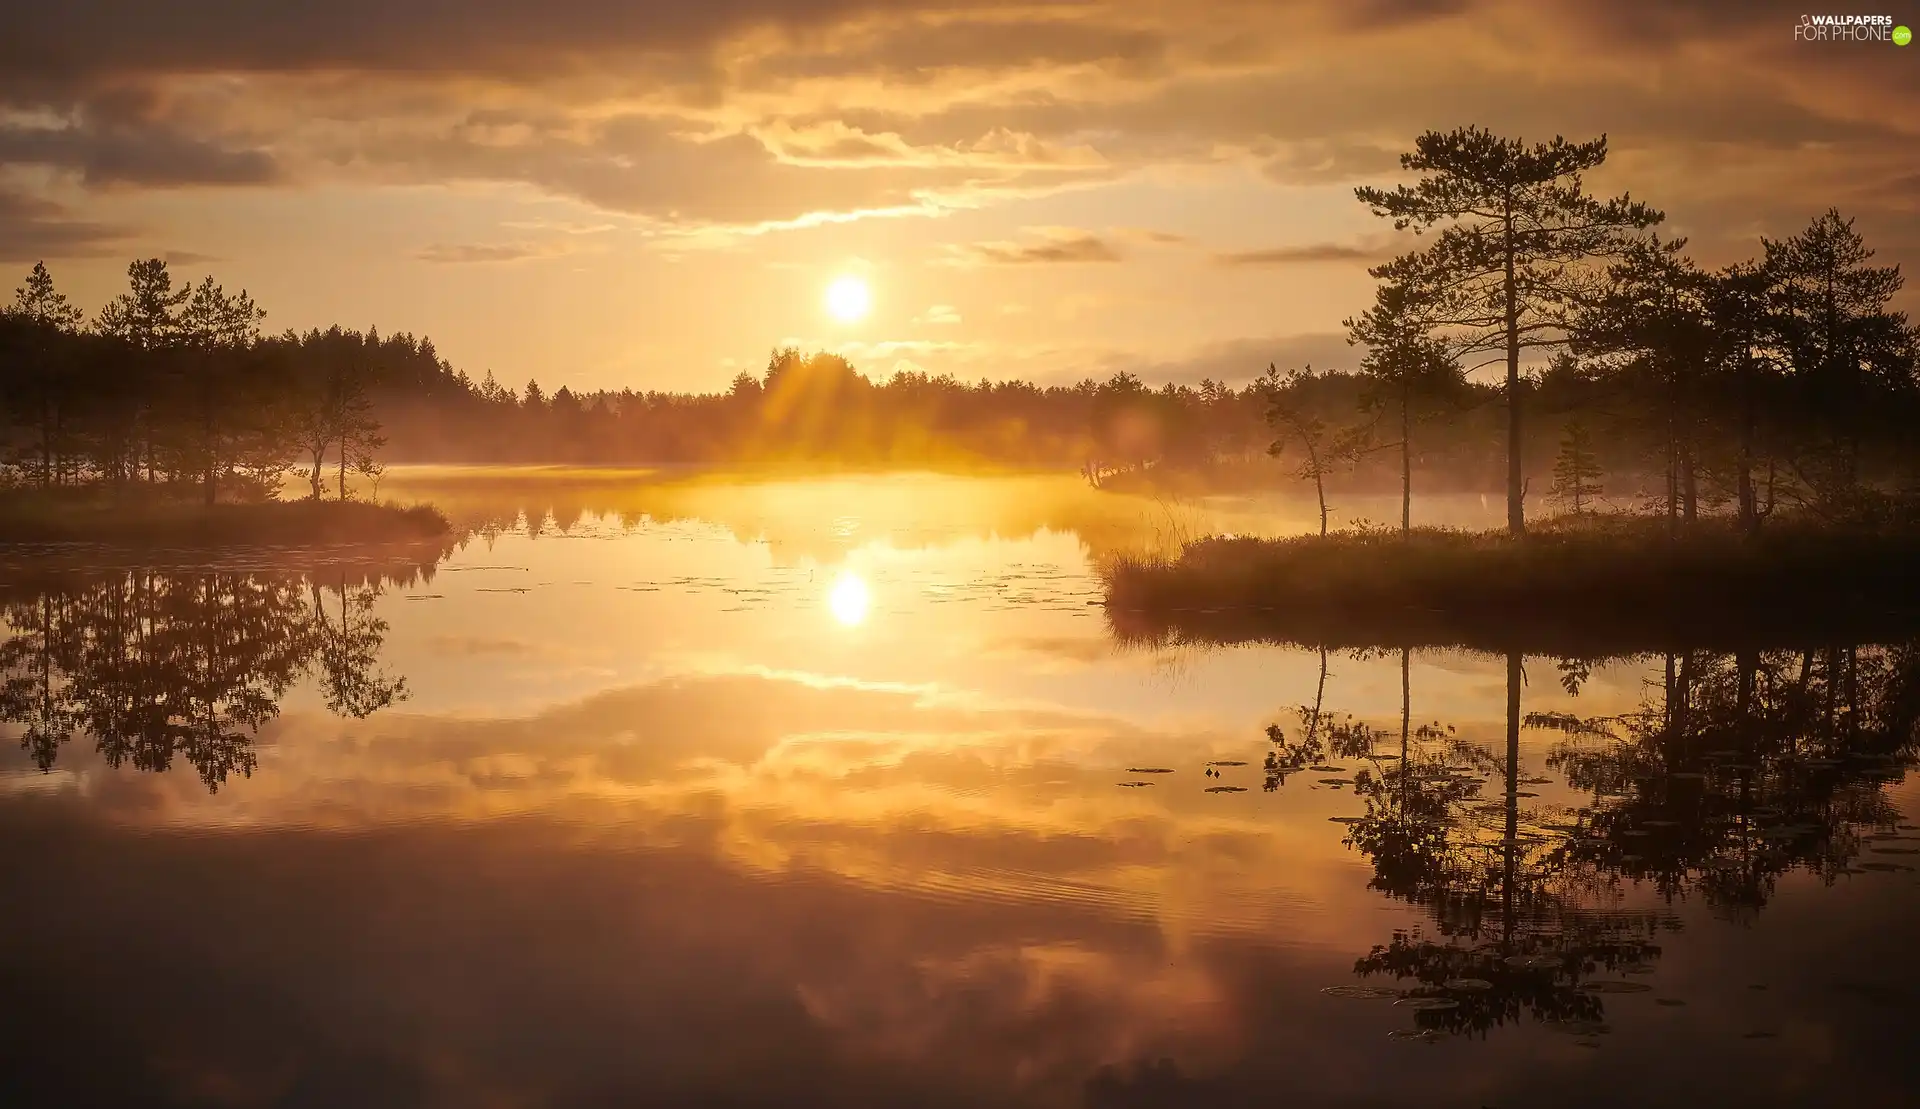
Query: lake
710	791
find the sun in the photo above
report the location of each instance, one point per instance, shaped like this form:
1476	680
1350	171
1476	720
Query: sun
849	599
848	299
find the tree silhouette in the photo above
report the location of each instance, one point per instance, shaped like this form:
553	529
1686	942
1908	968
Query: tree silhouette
1409	370
1576	473
1653	313
43	318
158	666
1834	321
1505	270
1325	449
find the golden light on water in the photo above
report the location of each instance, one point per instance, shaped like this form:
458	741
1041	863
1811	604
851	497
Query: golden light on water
849	299
849	599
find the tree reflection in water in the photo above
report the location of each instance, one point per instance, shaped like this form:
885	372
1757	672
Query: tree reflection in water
156	666
1735	770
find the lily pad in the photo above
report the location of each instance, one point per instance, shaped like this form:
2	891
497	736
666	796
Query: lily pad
1149	770
1470	985
1335	781
1896	850
1134	785
1532	962
1226	762
1615	987
1226	789
1362	993
1885	867
1417	1035
1346	819
1328	769
1427	1004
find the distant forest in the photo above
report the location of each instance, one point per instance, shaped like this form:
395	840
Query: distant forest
1788	375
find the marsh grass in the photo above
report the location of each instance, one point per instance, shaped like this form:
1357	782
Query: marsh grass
33	518
1611	585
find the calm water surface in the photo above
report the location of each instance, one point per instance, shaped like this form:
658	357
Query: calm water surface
841	793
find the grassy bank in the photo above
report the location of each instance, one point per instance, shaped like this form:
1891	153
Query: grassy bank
164	523
1619	587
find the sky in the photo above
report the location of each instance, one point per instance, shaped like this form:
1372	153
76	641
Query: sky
655	193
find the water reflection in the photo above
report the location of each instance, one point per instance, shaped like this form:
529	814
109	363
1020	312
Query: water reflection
849	599
154	666
707	854
1736	770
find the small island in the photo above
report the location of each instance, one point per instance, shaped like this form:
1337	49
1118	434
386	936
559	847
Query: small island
1605	585
172	422
28	519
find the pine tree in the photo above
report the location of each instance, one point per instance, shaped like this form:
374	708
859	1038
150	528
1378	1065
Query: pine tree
1576	472
1519	233
48	316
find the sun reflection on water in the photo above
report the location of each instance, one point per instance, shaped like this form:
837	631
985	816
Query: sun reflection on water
849	599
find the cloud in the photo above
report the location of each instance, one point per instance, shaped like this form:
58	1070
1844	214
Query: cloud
1150	235
461	253
1057	245
135	155
757	116
940	314
32	229
1238	360
1304	253
188	258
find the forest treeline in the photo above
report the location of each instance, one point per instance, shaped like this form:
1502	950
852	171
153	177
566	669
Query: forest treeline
1787	378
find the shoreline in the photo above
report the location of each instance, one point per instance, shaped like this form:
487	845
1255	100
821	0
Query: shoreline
33	521
1599	592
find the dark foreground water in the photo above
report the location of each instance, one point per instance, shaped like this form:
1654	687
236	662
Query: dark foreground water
841	794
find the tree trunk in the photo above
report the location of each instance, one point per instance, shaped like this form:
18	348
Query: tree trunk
1749	505
343	467
1516	505
319	456
46	442
1673	466
60	460
1689	487
1512	844
210	434
1320	488
1406	702
1319	698
1406	719
1406	462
